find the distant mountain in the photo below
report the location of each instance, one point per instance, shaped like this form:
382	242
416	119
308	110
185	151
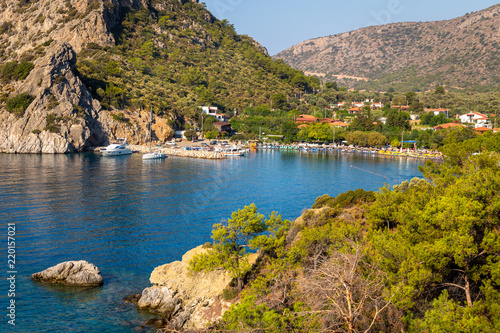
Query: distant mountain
463	52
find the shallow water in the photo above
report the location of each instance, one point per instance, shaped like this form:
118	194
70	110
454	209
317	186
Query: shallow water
128	216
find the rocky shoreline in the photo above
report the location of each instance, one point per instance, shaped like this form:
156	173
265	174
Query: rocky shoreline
184	299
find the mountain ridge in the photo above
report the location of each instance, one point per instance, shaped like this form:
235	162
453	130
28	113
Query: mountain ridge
418	54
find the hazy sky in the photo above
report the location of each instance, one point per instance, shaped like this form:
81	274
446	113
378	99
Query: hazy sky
279	24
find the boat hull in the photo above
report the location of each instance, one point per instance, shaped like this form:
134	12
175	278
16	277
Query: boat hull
116	152
154	156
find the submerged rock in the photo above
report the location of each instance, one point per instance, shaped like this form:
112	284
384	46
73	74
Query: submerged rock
72	273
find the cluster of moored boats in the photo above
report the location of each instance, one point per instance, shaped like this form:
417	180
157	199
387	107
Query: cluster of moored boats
122	148
420	153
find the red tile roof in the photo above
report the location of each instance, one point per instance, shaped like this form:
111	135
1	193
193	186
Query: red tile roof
448	125
340	123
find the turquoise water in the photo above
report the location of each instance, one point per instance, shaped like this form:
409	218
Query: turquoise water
127	216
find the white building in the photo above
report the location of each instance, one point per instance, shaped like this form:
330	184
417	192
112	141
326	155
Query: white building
478	119
212	111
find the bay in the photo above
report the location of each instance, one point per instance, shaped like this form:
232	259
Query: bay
127	216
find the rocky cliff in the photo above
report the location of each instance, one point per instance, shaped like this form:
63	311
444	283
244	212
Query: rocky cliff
63	117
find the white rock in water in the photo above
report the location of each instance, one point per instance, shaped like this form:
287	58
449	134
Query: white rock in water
73	273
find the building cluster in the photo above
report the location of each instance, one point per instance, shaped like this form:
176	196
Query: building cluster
223	124
356	107
481	122
305	119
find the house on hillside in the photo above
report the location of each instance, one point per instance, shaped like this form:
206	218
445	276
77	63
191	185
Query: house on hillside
400	107
223	126
305	119
448	125
438	111
478	119
210	110
361	105
482	130
338	123
213	111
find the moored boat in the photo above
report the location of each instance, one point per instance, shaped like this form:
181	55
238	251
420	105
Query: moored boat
118	148
232	151
154	155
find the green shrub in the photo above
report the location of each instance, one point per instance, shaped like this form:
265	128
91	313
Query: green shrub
345	200
120	117
211	135
36	131
93	46
7	71
47	43
190	134
229	293
14	71
6	27
18	104
52	102
79	111
58	79
40	19
51	123
22	70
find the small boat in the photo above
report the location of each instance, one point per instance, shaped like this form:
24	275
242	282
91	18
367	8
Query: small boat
117	149
234	151
152	155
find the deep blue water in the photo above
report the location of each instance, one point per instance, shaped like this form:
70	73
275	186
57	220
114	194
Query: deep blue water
127	216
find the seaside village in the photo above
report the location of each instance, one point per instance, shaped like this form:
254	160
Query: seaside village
480	123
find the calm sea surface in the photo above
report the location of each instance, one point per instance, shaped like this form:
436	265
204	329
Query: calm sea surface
127	216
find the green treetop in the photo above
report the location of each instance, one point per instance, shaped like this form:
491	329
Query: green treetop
231	240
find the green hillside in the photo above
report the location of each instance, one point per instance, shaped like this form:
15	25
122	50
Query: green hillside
181	57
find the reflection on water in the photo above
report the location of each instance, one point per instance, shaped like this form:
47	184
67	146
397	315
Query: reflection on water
127	216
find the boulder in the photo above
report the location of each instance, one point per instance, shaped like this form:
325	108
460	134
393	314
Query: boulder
159	300
187	300
72	273
190	285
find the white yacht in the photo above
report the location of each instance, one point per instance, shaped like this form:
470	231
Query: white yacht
116	149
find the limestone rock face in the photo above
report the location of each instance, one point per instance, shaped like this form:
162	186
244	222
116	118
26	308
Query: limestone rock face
63	117
72	273
58	94
75	22
186	299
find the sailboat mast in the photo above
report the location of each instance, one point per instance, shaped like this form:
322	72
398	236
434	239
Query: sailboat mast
150	128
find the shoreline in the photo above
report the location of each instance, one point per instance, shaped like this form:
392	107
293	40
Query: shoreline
181	151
